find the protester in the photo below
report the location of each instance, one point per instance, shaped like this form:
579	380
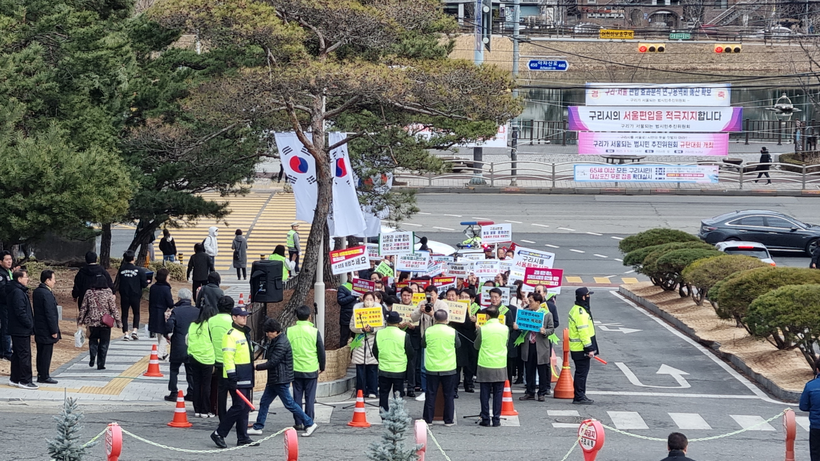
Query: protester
810	402
440	344
293	246
582	343
391	348
160	302
100	314
180	319
218	326
549	301
210	293
346	299
308	361
46	325
367	366
280	375
414	333
491	344
466	353
6	261
201	361
88	275
199	266
535	351
211	245
677	444
279	255
21	328
240	255
131	280
168	247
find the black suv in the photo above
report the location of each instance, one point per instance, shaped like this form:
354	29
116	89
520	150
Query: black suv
775	230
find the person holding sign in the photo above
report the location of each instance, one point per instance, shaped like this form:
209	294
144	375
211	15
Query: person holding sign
367	366
535	349
466	354
491	344
440	343
347	300
582	343
415	341
391	348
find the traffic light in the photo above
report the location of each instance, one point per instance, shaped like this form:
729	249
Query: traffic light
727	48
651	47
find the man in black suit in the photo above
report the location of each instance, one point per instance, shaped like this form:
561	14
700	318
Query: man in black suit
21	327
46	325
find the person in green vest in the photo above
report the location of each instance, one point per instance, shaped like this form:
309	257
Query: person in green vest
392	349
218	325
293	246
535	350
440	343
201	357
308	361
582	343
279	255
491	344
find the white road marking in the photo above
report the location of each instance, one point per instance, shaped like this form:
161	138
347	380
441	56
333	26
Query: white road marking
411	224
594	233
748	421
551	246
803	421
443	228
452	215
617	327
540	225
577	251
689	421
617	238
619	260
630	272
664	370
424	212
480	219
565	425
527	241
514	222
563	413
567	229
627	420
673	394
600	256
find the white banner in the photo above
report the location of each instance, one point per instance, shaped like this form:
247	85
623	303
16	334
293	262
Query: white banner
459	269
648	94
664	119
380	184
487	268
647	173
527	257
345	216
689	144
485	295
396	243
373	252
300	168
496	233
413	262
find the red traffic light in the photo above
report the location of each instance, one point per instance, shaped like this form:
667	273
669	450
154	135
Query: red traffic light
718	49
642	48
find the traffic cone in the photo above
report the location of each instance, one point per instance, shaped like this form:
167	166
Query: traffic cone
564	387
507	408
180	416
553	374
153	364
359	416
241	301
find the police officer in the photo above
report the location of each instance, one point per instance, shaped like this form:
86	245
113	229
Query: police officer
582	343
491	343
237	359
308	361
293	246
440	343
391	348
218	325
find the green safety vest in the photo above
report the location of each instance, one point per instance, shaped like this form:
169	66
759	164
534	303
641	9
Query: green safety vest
200	346
302	337
581	329
502	310
285	271
290	242
219	325
440	353
493	352
390	342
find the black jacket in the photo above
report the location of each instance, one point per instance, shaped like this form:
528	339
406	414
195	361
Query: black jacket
280	361
815	257
179	321
168	248
85	276
200	265
346	301
765	160
5	279
677	455
132	280
554	311
209	294
21	317
159	299
46	321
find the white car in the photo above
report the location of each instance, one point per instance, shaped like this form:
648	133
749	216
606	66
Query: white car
753	249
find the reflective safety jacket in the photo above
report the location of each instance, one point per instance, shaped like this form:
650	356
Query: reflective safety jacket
581	330
237	357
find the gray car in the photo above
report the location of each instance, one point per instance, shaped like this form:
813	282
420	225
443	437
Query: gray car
775	230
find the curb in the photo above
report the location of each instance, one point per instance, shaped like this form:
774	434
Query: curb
609	191
762	381
337	387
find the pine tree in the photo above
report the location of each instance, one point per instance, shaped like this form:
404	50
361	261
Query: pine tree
67	446
395	423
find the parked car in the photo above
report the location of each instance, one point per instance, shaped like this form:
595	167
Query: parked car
753	249
775	230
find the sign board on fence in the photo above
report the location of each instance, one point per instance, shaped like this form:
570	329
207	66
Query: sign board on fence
487	268
647	173
528	257
457	311
405	310
413	262
481	319
396	243
485	295
529	320
554	65
549	278
616	34
712	144
373	252
349	260
368	316
649	94
362	286
665	119
459	269
384	269
496	233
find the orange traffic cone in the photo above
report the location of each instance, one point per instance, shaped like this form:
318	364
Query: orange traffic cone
241	301
153	365
553	374
564	388
507	408
180	416
359	416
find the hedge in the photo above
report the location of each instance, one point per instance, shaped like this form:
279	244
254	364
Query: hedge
672	263
703	274
175	271
647	266
651	237
741	289
788	317
636	258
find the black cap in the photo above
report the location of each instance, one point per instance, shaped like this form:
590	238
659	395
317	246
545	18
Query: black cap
393	318
763	149
583	291
239	310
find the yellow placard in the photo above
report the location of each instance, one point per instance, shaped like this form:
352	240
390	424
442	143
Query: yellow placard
457	310
368	316
616	34
481	319
419	297
405	310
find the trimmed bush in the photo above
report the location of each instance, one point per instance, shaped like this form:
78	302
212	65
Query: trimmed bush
647	266
636	258
651	237
175	271
672	263
788	317
703	274
739	290
712	294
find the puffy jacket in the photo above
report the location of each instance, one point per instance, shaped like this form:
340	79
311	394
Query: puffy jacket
200	346
581	330
20	315
211	244
209	294
810	401
219	325
177	325
346	300
168	247
363	355
280	361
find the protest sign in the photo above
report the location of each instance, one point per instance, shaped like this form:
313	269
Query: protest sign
459	269
413	262
373	252
441	281
481	319
396	243
529	320
384	269
362	286
435	269
527	257
442	259
368	316
485	295
487	268
496	233
457	310
349	260
549	278
405	310
471	257
419	297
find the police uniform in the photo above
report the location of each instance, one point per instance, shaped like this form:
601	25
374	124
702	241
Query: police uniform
237	359
581	343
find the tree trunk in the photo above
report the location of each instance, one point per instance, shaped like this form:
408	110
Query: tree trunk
105	246
141	239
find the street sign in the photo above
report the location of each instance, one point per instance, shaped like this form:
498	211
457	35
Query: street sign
614	34
680	36
559	65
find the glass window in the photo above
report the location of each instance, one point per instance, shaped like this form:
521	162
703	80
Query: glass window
779	223
758	253
749	221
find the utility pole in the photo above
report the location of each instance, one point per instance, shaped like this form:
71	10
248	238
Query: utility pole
478	152
515	63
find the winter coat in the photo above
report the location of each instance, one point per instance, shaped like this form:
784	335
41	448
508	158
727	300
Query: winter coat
365	351
97	303
200	265
132	280
280	361
20	315
211	245
346	300
426	321
177	326
765	160
168	246
46	321
5	279
677	455
209	294
240	247
159	300
542	343
84	278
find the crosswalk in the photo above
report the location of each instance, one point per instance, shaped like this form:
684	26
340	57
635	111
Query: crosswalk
633	421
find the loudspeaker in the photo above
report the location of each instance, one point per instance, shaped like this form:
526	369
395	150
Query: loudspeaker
266	282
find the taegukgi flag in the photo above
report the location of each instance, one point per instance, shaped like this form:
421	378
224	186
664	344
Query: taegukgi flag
345	214
300	169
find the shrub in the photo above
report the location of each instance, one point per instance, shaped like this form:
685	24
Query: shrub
703	274
739	290
672	263
653	237
636	258
712	294
788	317
648	267
175	271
